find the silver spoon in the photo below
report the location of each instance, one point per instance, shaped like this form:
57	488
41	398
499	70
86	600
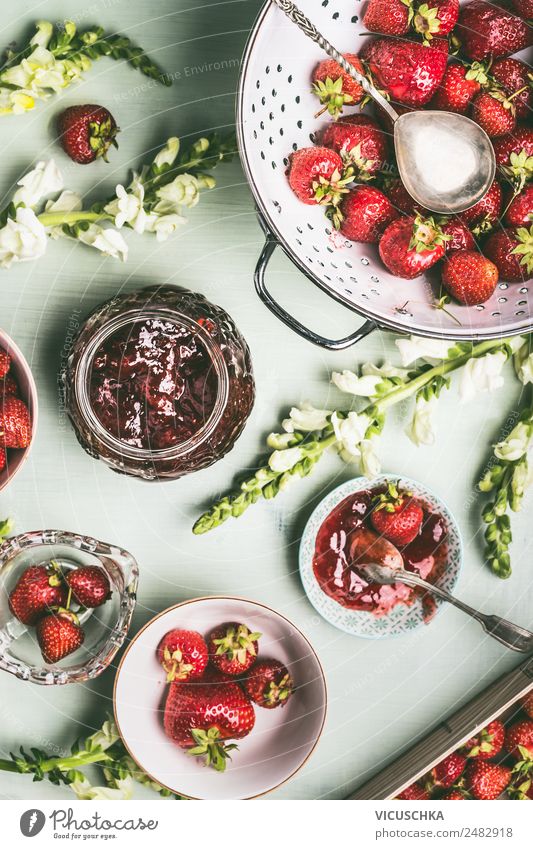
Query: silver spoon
465	167
512	636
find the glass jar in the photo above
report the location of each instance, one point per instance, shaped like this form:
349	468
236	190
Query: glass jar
158	383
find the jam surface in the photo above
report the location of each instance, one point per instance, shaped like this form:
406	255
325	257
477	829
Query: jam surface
153	384
334	568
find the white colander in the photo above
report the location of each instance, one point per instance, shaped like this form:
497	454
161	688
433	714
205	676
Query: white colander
275	115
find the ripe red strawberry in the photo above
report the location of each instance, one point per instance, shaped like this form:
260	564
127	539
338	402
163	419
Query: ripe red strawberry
485	213
494	112
401	199
366	212
511	251
487	781
460	237
514	156
8	386
459	85
487	744
15	423
233	648
3	459
469	277
449	770
87	132
360	142
485	30
437	17
5	363
515	78
455	795
334	87
183	655
59	634
269	684
414	793
200	716
397	516
407	70
315	176
409	246
38	589
524	8
388	17
527	705
520	736
90	586
520	210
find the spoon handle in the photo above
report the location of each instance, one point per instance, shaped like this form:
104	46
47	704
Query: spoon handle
297	17
512	636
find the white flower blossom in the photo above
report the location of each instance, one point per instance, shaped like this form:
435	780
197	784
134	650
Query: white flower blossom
22	239
183	191
41	72
168	154
164	226
105	737
285	460
350	432
128	207
348	381
420	430
385	370
15	102
110	242
45	30
306	418
418	347
67	202
523	363
369	463
45	180
517	443
124	789
482	374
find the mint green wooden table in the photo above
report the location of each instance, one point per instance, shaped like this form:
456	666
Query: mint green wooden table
381	694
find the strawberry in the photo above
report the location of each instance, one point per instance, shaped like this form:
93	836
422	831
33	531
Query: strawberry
59	634
449	770
408	71
523	8
8	386
414	793
365	213
38	589
316	176
485	213
360	143
389	17
515	78
409	246
334	87
494	112
455	795
438	17
459	85
514	156
511	251
487	781
485	29
89	585
15	423
460	237
3	459
527	705
5	363
401	199
233	648
520	737
87	132
183	655
520	210
269	684
397	516
487	743
201	716
469	277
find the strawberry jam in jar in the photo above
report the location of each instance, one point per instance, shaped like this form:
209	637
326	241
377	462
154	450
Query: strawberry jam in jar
159	383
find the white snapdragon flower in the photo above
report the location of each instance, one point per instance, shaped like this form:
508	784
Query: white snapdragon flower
306	418
482	374
350	433
105	737
45	179
123	790
523	363
183	191
45	30
369	462
418	347
128	207
385	370
517	443
285	460
22	239
15	102
67	202
39	72
168	154
420	430
110	242
348	381
164	226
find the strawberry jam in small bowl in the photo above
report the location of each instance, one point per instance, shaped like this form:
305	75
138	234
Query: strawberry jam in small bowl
159	383
395	522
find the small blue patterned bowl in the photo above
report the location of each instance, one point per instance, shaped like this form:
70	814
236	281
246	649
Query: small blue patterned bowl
360	623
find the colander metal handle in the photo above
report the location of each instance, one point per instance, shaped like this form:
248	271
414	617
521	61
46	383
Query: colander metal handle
331	344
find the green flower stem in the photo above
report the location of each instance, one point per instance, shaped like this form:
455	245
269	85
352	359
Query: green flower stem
59	219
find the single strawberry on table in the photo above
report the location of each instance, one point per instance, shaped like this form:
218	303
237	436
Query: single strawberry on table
436	17
89	585
87	132
469	277
201	716
486	780
487	30
487	743
316	176
408	71
59	634
459	85
388	17
511	251
15	423
361	143
519	213
364	214
233	648
448	771
494	111
515	78
334	87
519	740
397	516
183	655
38	589
410	246
269	684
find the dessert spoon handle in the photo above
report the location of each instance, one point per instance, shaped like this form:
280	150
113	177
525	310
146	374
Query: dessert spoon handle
297	17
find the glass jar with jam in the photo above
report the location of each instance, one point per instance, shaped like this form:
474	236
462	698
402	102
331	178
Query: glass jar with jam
159	383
